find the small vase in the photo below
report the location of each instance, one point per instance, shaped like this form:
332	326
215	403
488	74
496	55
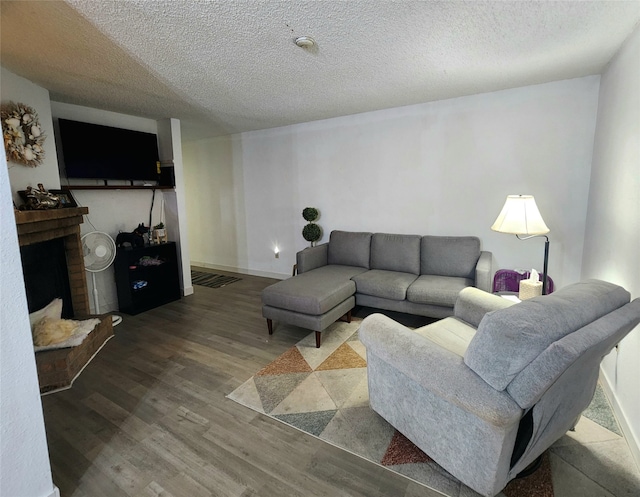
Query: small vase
160	235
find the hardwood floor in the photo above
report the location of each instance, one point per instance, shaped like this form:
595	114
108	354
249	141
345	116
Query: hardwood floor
149	417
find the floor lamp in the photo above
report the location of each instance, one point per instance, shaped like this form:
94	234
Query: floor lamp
520	216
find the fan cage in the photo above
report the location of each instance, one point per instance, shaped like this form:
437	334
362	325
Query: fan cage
93	262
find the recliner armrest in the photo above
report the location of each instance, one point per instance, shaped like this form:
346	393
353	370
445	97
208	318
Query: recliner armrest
312	258
436	369
472	304
483	271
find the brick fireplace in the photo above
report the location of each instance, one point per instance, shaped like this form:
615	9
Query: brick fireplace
57	369
44	225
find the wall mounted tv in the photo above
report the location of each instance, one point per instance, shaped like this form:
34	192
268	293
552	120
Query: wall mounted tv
92	151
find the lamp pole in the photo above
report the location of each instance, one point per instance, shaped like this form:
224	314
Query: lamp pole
546	259
546	263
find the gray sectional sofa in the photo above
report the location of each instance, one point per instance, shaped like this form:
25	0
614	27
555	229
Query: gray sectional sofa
414	274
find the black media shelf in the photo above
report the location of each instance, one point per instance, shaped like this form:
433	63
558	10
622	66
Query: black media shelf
146	277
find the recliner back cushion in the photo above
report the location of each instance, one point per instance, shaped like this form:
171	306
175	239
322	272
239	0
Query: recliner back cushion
396	252
508	340
349	248
587	345
449	256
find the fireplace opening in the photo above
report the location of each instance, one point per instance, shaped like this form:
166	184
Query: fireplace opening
46	275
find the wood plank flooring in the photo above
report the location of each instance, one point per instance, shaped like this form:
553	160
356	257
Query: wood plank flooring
148	417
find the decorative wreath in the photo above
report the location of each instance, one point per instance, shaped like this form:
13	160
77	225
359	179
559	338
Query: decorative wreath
22	133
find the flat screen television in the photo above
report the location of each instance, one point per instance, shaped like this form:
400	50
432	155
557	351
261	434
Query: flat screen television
93	151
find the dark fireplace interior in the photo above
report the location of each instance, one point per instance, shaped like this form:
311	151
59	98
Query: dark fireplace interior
46	276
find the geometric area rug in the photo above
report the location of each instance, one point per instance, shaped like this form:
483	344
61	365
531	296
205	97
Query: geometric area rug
323	392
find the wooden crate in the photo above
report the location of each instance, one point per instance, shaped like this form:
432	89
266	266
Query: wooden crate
57	369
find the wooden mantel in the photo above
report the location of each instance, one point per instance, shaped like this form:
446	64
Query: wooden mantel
43	225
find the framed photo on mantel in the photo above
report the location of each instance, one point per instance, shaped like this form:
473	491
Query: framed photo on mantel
66	199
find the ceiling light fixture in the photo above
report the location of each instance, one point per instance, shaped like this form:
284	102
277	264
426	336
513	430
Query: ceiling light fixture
305	42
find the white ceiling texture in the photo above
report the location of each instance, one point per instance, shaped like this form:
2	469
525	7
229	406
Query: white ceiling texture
229	66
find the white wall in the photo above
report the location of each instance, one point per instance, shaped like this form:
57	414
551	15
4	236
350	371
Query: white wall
612	241
441	168
215	203
175	215
13	88
24	458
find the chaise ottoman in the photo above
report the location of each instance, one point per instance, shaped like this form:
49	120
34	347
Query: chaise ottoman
312	300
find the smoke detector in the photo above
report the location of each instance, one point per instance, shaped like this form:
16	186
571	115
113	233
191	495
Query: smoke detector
305	42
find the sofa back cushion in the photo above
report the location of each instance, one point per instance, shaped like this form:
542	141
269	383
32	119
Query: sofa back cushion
349	248
396	252
450	256
508	340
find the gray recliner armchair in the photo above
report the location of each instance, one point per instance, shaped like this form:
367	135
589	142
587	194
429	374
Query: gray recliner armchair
484	393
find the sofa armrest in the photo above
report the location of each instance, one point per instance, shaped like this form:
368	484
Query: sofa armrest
436	369
472	304
312	258
483	271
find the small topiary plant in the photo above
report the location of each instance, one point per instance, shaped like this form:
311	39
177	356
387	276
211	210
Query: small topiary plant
311	232
310	214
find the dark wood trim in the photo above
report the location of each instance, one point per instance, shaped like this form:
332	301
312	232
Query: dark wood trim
43	236
37	216
117	187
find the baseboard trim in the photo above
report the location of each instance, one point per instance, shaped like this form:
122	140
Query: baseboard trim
632	442
239	270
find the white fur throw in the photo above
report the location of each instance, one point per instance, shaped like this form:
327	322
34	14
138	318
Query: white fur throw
51	332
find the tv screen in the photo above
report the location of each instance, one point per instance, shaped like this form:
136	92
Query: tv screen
93	151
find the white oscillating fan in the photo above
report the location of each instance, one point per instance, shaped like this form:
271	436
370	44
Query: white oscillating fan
99	252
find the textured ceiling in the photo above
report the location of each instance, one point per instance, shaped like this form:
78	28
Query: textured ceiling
229	66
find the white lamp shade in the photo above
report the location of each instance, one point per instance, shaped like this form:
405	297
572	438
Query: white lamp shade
520	216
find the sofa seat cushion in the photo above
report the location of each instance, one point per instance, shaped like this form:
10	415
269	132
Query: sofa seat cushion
508	340
437	290
450	333
385	284
314	292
